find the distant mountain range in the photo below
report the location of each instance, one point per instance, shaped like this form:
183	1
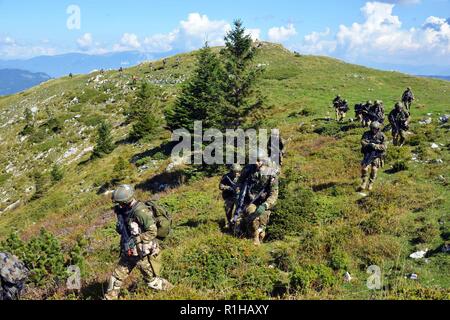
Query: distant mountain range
14	80
438	77
79	63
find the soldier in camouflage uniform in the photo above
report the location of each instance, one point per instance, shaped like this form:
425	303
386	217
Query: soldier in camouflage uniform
262	179
139	244
374	148
13	275
408	99
341	111
398	119
376	113
229	186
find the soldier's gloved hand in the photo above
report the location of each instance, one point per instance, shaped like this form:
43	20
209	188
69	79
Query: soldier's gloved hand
261	209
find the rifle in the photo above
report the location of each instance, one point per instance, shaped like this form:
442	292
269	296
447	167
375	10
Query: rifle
370	157
233	185
127	243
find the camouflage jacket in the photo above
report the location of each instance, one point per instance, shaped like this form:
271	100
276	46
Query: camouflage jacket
408	96
374	142
228	185
399	119
140	223
263	185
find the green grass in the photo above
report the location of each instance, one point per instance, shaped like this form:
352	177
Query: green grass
321	229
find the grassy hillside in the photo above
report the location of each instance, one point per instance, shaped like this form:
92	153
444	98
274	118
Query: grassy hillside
330	229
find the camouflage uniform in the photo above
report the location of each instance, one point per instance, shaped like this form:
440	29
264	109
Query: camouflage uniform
146	256
228	187
261	198
398	119
376	112
374	148
13	274
408	98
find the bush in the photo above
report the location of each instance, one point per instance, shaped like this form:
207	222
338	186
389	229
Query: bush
296	205
57	173
339	260
312	277
43	256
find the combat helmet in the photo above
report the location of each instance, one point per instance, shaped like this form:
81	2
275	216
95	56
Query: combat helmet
236	168
123	194
375	125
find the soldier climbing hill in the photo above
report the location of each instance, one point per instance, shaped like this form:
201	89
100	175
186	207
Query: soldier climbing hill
408	99
229	187
398	119
374	148
258	195
13	275
142	226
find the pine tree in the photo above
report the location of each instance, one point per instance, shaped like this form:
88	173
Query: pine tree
57	173
202	98
121	171
104	144
40	185
240	77
144	113
29	126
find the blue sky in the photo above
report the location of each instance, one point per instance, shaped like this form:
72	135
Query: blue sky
391	32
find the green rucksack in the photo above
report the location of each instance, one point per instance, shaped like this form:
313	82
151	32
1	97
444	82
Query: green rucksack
163	219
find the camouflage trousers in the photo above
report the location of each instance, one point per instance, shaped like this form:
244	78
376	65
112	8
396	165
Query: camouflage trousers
399	137
257	225
229	207
367	173
340	115
149	266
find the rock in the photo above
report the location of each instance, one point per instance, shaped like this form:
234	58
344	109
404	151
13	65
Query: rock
446	248
13	206
434	146
419	254
444	118
426	121
75	100
347	277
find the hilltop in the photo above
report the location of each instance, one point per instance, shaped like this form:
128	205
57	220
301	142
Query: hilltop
330	228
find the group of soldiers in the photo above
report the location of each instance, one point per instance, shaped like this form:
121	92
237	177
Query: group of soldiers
249	193
374	142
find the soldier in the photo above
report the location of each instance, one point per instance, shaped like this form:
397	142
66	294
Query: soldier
139	244
261	180
366	113
337	101
13	275
376	113
374	148
229	188
70	75
398	119
408	99
341	111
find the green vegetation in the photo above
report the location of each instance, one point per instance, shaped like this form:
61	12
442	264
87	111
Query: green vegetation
320	229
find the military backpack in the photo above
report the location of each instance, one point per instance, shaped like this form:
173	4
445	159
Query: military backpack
163	219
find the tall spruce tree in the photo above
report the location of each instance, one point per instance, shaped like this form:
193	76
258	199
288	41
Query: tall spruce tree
240	77
104	144
143	113
202	98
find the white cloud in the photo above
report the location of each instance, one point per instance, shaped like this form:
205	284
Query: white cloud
254	33
280	34
12	49
85	42
381	38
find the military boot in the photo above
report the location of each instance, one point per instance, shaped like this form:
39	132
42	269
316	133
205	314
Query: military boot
256	239
370	187
262	236
363	184
160	284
